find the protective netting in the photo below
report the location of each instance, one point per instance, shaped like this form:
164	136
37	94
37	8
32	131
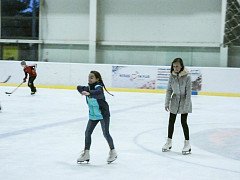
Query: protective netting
232	24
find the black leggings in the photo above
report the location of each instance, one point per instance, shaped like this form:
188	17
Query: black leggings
105	129
172	119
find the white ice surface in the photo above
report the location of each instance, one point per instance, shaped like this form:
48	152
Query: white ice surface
41	137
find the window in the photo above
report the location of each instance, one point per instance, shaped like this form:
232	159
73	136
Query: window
12	51
19	20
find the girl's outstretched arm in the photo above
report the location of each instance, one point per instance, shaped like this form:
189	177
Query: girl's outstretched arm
82	88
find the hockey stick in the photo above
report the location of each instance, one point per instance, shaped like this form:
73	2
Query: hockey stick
14	89
6	79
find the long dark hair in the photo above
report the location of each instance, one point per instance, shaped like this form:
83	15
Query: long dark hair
177	60
98	76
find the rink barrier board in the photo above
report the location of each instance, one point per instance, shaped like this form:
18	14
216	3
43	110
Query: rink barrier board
129	90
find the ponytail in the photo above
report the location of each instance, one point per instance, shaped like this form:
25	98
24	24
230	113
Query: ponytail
98	75
105	88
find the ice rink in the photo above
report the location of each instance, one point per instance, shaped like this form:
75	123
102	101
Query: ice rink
41	137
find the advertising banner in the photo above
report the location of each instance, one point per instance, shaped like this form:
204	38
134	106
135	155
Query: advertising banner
141	77
164	72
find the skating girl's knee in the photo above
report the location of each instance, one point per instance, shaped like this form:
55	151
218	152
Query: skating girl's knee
87	134
106	135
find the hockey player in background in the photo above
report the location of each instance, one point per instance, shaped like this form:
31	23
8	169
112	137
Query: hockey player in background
31	71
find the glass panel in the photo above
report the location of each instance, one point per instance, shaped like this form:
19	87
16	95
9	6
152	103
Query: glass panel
134	55
19	19
19	51
64	53
233	56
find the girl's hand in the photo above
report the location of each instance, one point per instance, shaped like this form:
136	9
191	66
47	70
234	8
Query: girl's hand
85	93
167	109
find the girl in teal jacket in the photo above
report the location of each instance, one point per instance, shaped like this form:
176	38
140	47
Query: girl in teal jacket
98	112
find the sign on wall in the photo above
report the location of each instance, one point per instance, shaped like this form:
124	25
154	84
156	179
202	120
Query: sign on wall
134	77
164	72
141	77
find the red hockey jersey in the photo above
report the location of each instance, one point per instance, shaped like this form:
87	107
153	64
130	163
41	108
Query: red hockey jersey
31	70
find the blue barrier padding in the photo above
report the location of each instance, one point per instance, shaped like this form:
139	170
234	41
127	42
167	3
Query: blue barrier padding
194	93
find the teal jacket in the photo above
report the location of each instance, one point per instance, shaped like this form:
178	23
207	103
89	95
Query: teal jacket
98	107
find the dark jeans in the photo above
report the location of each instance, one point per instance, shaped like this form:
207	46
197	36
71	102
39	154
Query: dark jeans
31	84
172	119
105	129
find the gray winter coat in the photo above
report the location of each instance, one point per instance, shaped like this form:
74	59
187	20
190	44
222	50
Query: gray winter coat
178	93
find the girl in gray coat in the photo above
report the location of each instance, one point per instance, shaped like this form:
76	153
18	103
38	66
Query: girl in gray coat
178	101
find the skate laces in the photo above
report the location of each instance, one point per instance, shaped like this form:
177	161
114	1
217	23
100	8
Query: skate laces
112	153
83	152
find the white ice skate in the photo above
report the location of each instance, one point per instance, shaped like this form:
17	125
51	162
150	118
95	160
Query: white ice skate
85	156
187	148
167	146
112	156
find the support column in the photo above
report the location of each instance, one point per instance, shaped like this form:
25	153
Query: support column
223	57
92	31
223	50
40	37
